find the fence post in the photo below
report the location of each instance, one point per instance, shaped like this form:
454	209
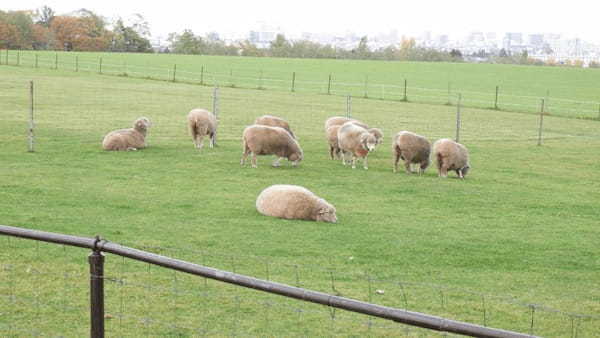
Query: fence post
366	86
496	100
100	65
96	260
18	58
405	99
348	106
202	76
293	81
458	117
329	85
216	110
174	72
56	61
31	125
76	63
6	63
541	123
36	60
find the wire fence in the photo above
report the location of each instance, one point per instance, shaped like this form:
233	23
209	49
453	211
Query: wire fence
46	292
405	90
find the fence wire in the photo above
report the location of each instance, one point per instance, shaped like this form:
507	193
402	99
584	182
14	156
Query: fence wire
279	81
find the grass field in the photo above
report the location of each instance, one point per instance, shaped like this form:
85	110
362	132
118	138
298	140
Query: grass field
516	239
571	92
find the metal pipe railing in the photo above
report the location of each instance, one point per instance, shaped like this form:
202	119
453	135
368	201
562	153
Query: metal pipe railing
99	245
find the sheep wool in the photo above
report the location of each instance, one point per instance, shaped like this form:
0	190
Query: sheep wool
294	202
128	139
411	148
265	140
201	122
451	155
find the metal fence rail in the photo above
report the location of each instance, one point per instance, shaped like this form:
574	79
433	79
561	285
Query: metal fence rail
96	260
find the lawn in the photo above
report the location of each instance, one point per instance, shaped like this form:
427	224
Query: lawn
513	246
572	92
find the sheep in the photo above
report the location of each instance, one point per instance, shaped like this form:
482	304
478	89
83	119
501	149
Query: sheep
332	139
294	202
356	140
265	140
201	122
411	148
274	121
339	120
377	133
128	139
451	155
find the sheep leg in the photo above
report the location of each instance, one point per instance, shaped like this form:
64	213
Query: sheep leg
254	160
331	151
443	171
343	157
212	140
365	163
244	155
459	173
276	163
396	160
353	161
407	167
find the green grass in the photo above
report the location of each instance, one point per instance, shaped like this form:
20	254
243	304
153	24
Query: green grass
570	92
522	229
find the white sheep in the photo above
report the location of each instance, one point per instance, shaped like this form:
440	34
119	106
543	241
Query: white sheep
201	122
339	120
451	155
265	140
355	140
411	148
294	202
128	139
274	121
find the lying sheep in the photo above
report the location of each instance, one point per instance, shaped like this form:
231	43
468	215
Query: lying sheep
411	148
265	140
357	141
339	120
377	133
451	155
294	202
202	122
128	139
274	121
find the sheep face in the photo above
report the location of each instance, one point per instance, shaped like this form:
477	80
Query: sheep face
326	213
463	171
295	158
142	124
368	141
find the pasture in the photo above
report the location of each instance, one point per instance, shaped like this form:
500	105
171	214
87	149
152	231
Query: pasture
570	92
514	246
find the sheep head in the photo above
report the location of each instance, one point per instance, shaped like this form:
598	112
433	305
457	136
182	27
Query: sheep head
326	212
142	124
368	141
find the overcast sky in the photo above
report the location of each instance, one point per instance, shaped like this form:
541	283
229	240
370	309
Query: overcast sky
575	18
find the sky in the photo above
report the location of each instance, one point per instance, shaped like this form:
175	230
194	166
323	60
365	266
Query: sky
575	18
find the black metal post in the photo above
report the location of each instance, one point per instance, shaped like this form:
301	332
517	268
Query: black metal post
405	85
329	85
36	60
174	72
202	75
96	260
496	101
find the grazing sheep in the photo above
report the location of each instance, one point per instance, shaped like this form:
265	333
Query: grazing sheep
451	155
294	202
357	141
274	121
265	140
377	133
128	139
202	122
411	148
332	139
339	120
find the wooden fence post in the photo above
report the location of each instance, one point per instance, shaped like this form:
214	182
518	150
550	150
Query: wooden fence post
293	81
541	122
96	261
405	99
216	110
329	85
100	65
496	100
202	76
458	121
31	121
174	72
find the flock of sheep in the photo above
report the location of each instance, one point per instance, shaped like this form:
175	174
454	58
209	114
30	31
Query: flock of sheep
272	135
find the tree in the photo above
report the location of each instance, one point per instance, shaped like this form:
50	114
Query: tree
186	43
362	51
127	39
280	47
80	33
44	16
456	54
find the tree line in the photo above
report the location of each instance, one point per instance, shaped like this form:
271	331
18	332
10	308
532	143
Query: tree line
82	30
